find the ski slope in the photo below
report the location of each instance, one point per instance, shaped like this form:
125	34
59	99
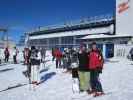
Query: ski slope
117	80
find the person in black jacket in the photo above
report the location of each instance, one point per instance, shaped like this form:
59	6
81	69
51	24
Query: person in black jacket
84	74
35	58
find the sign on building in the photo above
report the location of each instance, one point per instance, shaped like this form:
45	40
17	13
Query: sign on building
124	17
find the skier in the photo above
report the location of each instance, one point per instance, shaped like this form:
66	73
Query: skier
67	60
7	54
74	66
74	58
26	56
84	72
96	66
64	58
35	57
43	53
15	53
58	56
53	54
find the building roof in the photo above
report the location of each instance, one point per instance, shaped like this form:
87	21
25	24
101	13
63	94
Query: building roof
74	33
103	22
102	36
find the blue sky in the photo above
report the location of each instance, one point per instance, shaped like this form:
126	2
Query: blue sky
22	15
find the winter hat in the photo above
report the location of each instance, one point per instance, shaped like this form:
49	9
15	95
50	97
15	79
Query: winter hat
93	43
82	45
33	47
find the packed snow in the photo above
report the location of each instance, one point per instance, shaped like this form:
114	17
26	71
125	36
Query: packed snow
117	81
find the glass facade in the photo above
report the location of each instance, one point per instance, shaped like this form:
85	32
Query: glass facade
67	40
61	42
52	42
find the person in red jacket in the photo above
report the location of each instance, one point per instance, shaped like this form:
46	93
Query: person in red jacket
95	66
58	56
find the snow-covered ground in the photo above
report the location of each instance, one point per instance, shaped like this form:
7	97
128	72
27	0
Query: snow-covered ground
117	80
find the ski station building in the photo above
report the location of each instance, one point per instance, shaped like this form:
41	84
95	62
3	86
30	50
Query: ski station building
108	31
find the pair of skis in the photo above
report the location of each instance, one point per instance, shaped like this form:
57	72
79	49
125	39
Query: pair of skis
90	97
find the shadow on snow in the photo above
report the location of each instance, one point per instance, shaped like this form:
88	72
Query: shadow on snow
47	77
44	70
5	70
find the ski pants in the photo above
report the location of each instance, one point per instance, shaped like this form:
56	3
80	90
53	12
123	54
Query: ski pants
35	73
29	70
6	58
15	59
84	80
58	63
95	82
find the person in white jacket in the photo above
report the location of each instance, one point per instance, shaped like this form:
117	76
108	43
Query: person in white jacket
15	53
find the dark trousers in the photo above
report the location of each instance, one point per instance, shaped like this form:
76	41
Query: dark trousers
28	69
58	63
132	57
15	59
75	73
6	58
95	82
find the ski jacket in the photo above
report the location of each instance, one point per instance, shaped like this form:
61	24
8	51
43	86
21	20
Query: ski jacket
33	54
15	52
34	57
58	54
6	52
83	61
95	60
39	55
74	57
26	53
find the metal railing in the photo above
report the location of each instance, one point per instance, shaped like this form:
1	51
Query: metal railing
88	20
